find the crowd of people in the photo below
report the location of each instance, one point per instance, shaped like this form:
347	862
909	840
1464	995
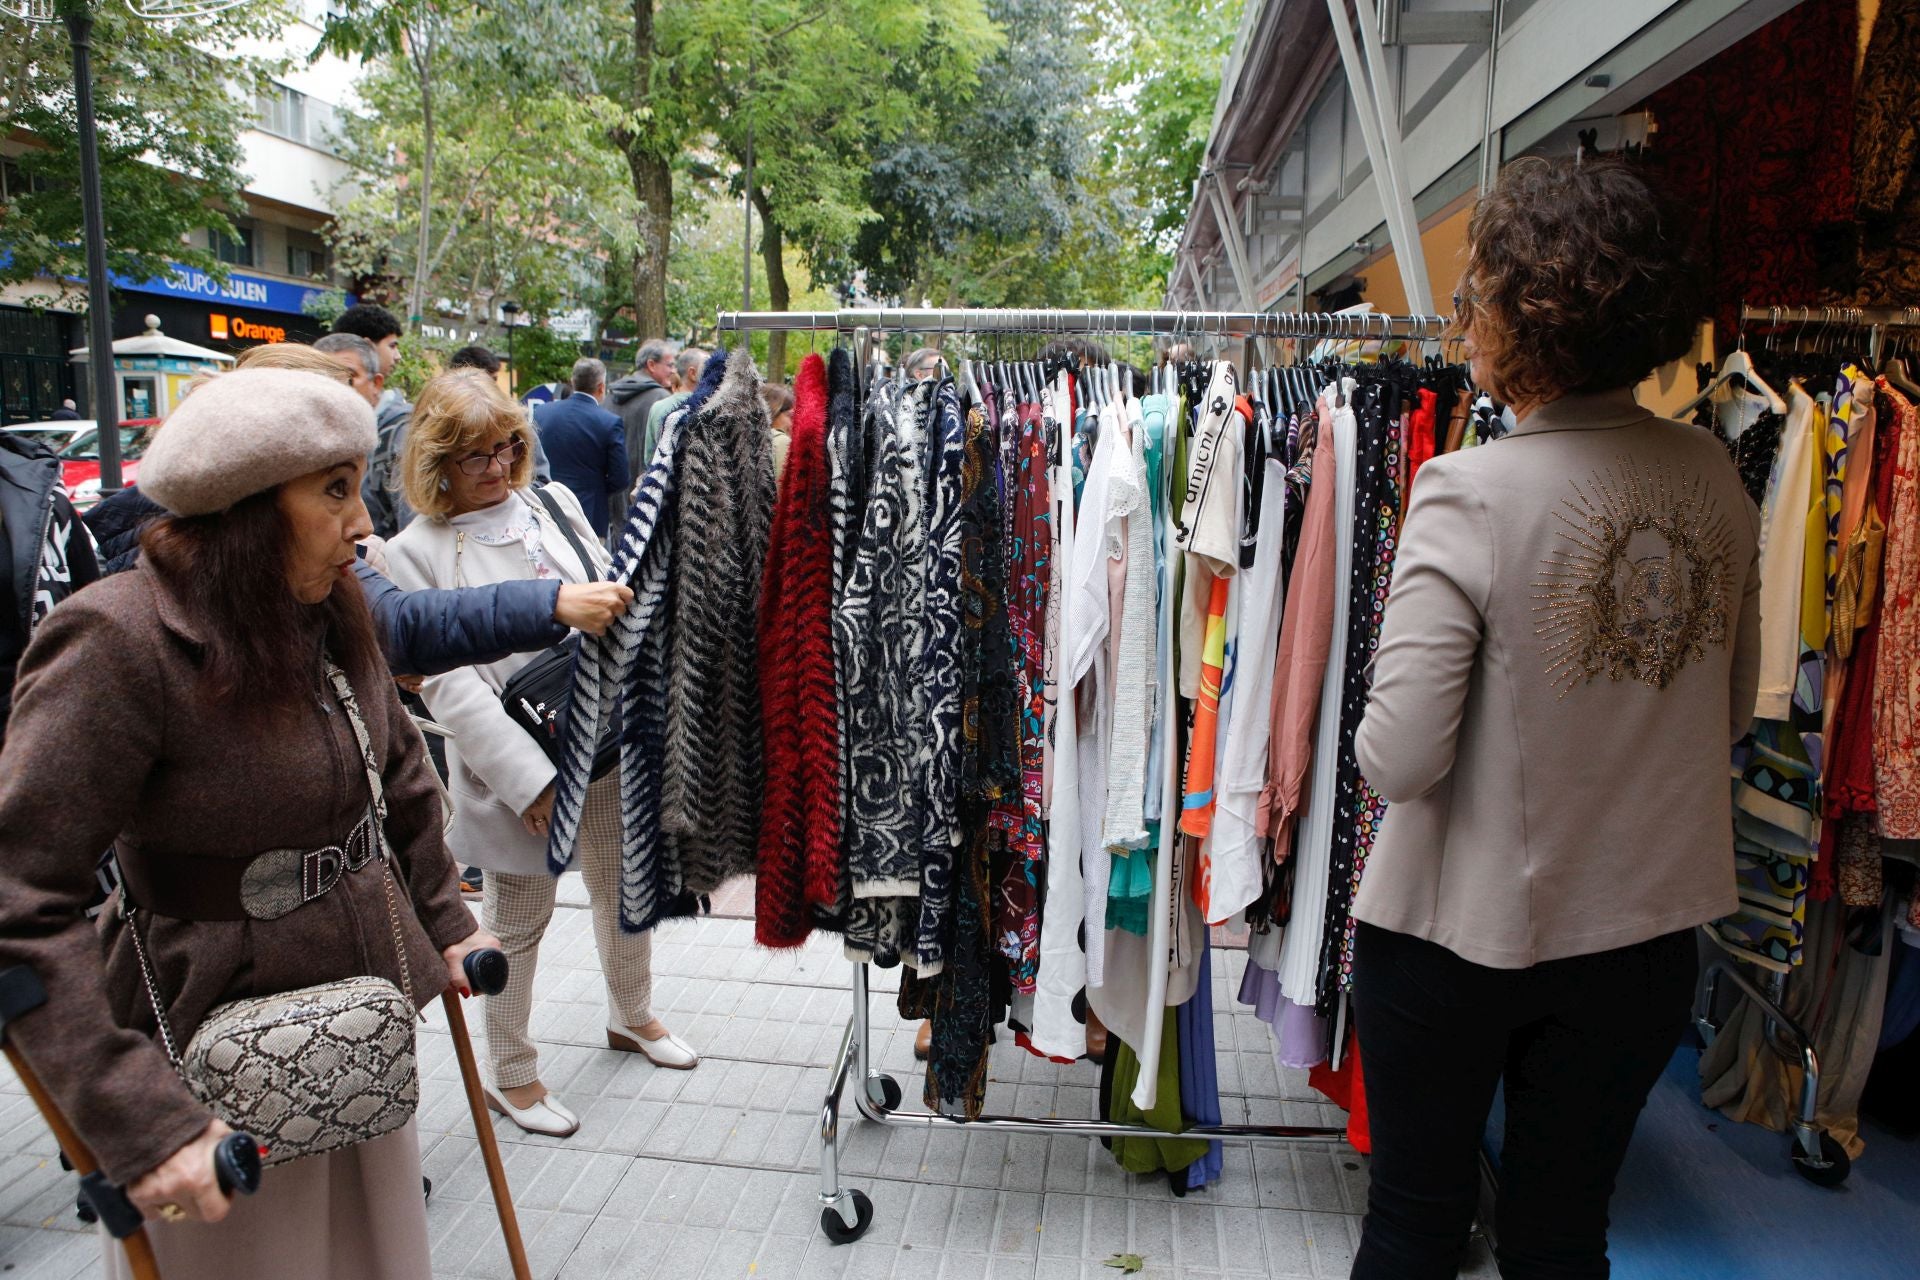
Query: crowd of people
304	544
426	550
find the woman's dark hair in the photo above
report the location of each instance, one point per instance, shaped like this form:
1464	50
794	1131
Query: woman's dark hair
229	570
1581	278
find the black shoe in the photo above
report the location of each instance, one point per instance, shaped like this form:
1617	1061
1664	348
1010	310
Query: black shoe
426	1185
471	883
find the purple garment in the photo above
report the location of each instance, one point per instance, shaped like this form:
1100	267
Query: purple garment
1299	1034
1199	1074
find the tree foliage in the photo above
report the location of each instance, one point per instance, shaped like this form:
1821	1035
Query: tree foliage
170	114
481	171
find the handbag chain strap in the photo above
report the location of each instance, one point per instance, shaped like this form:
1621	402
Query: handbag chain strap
383	854
344	691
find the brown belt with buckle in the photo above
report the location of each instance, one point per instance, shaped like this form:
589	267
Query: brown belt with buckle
265	886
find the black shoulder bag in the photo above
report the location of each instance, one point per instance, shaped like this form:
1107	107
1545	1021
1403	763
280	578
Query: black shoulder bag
539	694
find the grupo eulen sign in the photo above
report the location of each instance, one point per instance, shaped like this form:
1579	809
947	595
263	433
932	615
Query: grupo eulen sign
238	287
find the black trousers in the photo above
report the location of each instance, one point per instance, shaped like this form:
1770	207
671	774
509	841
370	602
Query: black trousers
1579	1044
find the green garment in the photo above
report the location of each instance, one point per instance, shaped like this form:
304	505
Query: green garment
1151	1155
656	419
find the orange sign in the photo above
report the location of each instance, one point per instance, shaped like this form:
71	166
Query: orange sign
241	329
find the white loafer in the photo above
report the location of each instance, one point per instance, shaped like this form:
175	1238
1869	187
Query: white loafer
669	1051
548	1116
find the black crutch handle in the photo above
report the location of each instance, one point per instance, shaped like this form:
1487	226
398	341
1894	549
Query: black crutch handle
236	1166
486	971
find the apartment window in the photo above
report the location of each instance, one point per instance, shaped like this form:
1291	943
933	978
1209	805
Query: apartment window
234	250
283	112
290	114
304	261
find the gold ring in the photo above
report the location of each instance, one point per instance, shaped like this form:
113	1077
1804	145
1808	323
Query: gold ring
172	1213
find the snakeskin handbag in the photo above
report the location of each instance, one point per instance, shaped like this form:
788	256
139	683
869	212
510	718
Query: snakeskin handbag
323	1067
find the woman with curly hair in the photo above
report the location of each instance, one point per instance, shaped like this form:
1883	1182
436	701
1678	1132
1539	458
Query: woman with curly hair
1570	646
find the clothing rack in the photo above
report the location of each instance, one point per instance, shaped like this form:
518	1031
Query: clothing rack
1816	1155
1354	325
846	1213
1875	320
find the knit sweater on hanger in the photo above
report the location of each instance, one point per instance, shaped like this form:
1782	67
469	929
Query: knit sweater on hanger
800	820
710	797
625	672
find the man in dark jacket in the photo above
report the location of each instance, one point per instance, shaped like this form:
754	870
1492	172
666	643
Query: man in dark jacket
634	396
45	552
391	412
587	445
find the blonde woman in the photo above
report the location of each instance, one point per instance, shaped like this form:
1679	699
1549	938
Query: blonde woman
466	469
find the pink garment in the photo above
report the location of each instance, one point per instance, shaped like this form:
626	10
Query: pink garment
1306	638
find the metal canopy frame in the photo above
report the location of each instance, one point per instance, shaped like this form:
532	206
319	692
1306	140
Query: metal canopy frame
846	1213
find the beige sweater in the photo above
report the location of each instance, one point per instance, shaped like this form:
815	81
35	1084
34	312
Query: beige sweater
1570	645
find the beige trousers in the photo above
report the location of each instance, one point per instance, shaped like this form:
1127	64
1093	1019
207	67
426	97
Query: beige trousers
353	1214
516	910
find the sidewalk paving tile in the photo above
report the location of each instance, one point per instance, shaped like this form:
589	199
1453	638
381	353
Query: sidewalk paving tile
715	1172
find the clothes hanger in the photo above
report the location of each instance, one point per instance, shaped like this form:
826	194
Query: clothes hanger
1738	364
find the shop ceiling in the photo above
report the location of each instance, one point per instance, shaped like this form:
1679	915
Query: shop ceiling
1289	174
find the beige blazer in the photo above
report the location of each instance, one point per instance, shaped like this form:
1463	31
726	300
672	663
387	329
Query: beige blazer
1570	646
495	769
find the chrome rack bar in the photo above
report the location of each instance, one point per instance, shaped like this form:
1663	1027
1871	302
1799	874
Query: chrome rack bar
846	1213
1248	324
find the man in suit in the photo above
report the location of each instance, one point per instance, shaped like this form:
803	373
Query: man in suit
586	445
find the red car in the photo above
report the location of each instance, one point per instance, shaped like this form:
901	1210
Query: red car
80	460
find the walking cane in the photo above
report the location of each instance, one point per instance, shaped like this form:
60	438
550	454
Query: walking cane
236	1161
487	975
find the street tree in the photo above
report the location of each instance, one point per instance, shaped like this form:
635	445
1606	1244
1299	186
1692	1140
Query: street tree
808	89
171	100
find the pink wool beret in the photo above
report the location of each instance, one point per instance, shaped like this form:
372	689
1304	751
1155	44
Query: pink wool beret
245	432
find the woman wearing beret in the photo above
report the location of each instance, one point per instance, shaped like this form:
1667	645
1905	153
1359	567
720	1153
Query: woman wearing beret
156	712
1570	647
466	469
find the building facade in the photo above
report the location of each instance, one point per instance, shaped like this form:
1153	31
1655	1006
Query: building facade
276	263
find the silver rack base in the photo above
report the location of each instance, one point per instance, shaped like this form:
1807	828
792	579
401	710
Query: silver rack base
1816	1154
846	1213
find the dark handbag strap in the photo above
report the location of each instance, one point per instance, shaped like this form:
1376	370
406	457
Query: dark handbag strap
566	528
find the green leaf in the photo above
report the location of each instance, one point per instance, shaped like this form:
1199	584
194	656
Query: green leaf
1126	1263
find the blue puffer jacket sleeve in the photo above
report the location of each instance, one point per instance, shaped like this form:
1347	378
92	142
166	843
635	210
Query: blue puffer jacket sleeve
431	631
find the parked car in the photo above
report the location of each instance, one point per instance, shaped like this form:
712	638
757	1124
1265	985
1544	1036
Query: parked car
54	435
80	460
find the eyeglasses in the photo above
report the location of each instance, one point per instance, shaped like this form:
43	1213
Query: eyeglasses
507	455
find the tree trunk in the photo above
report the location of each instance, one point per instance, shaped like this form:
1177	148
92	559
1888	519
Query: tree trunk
779	295
652	186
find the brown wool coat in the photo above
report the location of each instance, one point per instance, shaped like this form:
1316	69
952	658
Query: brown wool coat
110	739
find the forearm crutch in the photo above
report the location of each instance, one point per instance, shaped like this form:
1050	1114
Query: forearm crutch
236	1161
487	975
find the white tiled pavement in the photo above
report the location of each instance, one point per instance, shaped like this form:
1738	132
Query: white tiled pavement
713	1173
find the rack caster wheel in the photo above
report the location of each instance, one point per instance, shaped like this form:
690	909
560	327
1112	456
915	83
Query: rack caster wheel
884	1092
837	1230
1834	1167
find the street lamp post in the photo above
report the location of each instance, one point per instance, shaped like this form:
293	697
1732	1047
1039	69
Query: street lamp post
511	310
106	410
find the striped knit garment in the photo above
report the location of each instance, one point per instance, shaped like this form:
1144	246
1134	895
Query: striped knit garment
711	790
627	668
800	817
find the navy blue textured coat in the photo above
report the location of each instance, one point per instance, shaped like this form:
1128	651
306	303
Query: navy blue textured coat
587	448
423	632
